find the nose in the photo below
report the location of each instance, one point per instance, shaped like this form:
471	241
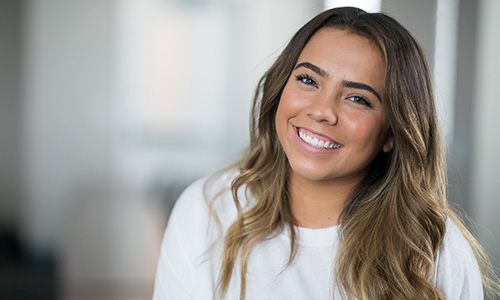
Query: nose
323	109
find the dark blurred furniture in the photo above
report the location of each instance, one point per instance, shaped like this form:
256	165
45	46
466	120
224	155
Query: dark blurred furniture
23	277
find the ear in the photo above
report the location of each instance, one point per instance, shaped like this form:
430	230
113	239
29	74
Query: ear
388	145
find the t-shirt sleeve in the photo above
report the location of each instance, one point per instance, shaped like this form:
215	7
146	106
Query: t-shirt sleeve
457	273
176	270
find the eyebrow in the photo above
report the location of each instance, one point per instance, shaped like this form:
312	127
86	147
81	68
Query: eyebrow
345	83
313	68
361	86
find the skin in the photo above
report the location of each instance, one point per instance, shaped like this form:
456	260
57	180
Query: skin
334	94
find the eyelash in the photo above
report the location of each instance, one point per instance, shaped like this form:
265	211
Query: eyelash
361	101
306	79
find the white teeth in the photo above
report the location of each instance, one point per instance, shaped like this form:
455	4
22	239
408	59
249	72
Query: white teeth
318	143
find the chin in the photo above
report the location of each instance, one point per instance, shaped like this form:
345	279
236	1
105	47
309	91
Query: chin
310	173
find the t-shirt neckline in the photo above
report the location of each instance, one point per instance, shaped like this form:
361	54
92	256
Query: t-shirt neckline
315	236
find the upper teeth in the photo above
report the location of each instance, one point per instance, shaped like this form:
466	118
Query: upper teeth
315	142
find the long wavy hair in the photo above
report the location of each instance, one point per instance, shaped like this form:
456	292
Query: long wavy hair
398	211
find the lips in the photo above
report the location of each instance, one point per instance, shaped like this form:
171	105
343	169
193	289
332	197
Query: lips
317	140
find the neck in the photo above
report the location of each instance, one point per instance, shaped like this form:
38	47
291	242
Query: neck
317	203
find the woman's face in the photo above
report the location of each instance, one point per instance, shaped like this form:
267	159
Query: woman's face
330	120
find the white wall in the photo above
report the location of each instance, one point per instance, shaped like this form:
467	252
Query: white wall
66	95
125	102
485	175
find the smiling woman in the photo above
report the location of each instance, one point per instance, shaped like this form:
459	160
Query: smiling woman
332	97
341	194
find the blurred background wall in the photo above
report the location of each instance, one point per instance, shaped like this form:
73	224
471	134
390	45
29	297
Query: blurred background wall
109	108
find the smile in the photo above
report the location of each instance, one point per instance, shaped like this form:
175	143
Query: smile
317	141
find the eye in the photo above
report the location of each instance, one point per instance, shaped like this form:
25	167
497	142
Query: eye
306	79
360	100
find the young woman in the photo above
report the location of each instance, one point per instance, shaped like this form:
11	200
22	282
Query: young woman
342	192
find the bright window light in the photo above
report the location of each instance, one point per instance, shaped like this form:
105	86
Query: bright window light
367	5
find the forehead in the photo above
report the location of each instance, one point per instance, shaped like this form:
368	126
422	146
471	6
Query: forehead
348	55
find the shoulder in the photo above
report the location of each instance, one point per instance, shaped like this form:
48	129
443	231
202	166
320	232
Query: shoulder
203	198
190	232
457	272
196	199
204	211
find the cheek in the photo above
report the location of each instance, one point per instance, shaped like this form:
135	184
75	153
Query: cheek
292	100
365	130
283	111
286	108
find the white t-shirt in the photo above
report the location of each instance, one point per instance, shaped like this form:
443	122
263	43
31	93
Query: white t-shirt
187	269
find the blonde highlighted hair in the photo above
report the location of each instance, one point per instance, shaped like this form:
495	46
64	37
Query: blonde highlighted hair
399	210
